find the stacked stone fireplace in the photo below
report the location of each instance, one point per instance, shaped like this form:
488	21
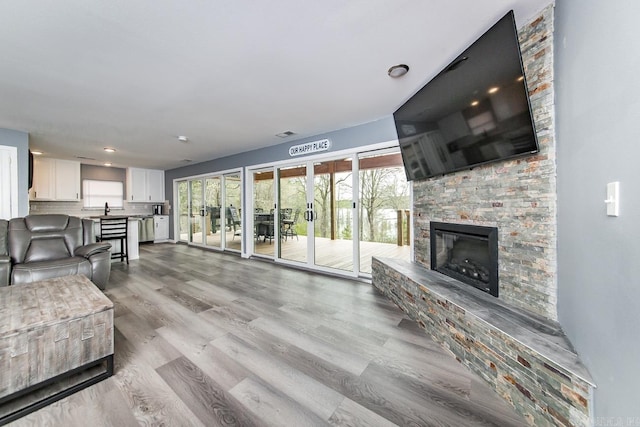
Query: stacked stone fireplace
518	196
513	341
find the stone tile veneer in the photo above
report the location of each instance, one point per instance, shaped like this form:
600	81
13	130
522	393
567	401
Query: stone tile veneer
517	196
525	357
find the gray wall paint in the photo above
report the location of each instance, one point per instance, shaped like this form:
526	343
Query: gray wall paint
103	173
598	116
378	131
20	140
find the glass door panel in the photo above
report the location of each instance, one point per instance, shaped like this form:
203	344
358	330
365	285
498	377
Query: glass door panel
196	211
183	212
383	208
333	214
263	203
233	211
213	201
293	203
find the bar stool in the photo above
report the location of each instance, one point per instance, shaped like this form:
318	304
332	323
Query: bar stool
115	229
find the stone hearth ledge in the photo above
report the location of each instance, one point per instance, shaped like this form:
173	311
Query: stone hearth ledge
524	356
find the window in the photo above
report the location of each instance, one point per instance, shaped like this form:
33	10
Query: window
96	193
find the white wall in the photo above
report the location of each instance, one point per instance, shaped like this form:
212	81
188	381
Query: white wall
597	66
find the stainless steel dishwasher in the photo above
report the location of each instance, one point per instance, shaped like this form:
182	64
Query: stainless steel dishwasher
146	231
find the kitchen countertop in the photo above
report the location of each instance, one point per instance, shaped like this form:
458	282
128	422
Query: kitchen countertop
129	217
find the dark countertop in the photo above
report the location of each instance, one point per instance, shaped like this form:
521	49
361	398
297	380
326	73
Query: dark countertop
129	217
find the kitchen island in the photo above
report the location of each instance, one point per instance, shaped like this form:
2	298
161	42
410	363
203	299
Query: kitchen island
133	223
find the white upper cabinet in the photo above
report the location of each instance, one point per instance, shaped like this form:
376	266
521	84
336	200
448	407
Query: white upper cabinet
155	181
145	185
137	185
67	180
43	177
55	179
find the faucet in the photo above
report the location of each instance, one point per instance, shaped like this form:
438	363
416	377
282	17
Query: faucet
106	208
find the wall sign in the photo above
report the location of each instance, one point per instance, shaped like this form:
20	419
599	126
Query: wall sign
310	147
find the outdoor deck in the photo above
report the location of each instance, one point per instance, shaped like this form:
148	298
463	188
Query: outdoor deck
329	253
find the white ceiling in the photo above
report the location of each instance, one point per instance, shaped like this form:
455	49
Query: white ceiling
80	75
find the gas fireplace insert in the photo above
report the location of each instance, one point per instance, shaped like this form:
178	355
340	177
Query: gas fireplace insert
468	253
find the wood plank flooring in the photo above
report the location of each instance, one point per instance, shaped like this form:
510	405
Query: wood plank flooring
210	339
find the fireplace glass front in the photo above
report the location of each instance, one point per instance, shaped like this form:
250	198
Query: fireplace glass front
467	253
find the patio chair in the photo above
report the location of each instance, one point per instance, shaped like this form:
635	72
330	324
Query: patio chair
236	223
288	225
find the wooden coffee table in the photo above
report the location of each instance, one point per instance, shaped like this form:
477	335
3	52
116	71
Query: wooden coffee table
56	337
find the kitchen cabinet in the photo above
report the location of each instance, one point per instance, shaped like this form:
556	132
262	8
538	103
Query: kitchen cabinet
55	180
43	177
145	185
161	224
67	180
155	181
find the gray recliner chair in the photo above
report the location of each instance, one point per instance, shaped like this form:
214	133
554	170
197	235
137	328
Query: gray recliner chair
39	247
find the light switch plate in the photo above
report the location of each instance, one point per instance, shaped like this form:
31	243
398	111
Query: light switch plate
613	199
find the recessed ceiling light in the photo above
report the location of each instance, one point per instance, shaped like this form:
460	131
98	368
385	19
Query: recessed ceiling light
474	103
107	164
285	134
109	150
398	70
183	139
36	153
519	79
493	89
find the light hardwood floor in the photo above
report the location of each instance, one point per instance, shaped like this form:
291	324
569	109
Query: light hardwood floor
207	339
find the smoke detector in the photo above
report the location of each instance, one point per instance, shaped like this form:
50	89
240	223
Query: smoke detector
398	70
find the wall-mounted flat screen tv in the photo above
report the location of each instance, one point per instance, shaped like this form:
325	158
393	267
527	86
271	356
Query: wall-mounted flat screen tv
474	111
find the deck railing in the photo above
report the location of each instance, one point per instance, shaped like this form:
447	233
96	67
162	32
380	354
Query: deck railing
404	227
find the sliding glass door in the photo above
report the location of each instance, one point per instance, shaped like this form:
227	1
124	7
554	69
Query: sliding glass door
213	229
384	203
196	212
333	214
209	211
233	211
314	219
333	210
293	217
329	214
261	222
182	223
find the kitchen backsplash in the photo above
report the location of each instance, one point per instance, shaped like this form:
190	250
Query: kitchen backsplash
76	209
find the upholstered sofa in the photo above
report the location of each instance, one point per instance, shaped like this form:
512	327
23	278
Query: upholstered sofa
39	247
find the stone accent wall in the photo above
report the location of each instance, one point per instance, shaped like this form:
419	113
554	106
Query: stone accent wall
527	361
517	196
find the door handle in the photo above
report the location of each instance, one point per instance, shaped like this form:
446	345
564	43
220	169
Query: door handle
309	215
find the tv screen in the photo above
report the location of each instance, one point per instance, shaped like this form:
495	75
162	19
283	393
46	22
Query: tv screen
474	111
